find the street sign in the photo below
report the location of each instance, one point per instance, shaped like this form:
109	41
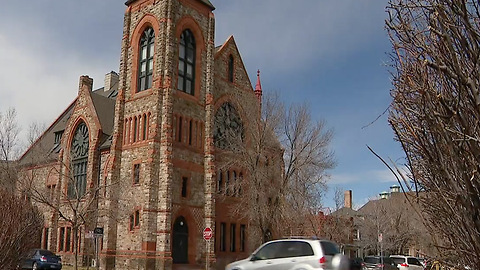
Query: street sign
98	231
207	233
380	238
89	235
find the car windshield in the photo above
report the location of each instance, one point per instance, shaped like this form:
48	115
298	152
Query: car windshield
372	260
329	248
386	260
46	253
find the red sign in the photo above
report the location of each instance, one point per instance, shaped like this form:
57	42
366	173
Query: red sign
207	233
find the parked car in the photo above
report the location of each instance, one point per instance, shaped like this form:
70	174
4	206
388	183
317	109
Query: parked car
407	262
357	264
423	261
379	263
289	254
40	259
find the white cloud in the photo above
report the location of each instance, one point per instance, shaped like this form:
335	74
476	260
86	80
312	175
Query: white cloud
365	177
39	79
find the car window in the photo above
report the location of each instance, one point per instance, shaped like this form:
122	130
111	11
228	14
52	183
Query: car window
46	253
387	260
295	249
268	251
371	260
413	261
329	248
398	260
30	253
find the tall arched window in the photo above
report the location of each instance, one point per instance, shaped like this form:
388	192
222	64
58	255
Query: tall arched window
79	154
186	63
230	68
145	59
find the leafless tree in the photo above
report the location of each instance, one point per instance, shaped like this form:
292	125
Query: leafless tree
285	156
395	220
9	148
47	177
339	198
435	114
21	224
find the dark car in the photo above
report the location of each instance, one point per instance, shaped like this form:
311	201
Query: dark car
40	259
356	264
379	263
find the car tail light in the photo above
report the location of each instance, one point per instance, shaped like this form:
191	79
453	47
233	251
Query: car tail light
404	265
43	259
380	265
322	261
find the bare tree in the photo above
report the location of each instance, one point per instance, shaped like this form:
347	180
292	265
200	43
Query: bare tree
9	148
339	198
62	188
284	154
21	224
435	114
396	221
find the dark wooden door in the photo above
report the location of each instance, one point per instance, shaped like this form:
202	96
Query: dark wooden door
180	241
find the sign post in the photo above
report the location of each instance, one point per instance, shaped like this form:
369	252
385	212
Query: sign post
207	235
97	233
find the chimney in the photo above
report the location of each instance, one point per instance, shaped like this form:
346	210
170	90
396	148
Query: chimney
348	199
111	79
86	83
394	189
384	195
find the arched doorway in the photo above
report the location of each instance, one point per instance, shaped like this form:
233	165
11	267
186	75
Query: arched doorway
180	241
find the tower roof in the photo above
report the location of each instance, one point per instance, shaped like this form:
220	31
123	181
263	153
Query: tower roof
205	2
258	86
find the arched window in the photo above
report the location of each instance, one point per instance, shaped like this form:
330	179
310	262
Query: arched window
79	154
186	63
230	68
145	59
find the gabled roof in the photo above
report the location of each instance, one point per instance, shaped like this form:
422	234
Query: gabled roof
345	212
44	149
105	108
220	49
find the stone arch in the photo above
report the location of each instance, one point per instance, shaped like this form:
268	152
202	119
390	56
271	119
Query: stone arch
147	20
180	241
188	22
192	240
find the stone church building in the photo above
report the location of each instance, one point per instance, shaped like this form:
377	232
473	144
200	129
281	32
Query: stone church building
138	156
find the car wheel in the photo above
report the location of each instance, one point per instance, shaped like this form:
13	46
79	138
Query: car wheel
34	266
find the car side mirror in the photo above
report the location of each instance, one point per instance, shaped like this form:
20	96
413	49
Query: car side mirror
340	262
253	258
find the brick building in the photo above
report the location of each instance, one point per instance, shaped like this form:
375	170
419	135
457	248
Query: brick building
139	153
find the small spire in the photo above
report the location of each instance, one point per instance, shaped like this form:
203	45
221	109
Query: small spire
258	89
258	86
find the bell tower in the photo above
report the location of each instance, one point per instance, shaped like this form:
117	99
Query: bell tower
162	136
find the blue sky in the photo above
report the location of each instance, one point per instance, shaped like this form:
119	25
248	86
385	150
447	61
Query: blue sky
332	54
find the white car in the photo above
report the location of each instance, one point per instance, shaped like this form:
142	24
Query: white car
289	254
407	262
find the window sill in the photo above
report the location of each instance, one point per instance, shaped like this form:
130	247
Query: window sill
141	94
